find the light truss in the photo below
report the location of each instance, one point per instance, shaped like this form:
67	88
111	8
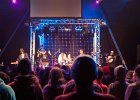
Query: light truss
37	24
63	21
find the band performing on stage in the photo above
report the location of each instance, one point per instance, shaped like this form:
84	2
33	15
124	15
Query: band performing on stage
46	58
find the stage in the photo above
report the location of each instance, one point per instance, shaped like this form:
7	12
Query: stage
65	35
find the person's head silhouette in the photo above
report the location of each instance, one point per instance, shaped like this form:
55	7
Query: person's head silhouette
24	67
84	70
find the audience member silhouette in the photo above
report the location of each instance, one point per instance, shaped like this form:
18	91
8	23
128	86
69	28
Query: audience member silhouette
71	87
133	89
98	81
5	77
118	87
129	76
26	85
84	71
6	92
107	77
66	72
55	85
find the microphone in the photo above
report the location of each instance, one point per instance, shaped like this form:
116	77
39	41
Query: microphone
59	50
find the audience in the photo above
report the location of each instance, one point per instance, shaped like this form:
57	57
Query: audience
133	89
118	87
55	85
5	77
84	71
67	72
83	80
25	85
6	92
99	80
44	76
107	77
71	86
129	76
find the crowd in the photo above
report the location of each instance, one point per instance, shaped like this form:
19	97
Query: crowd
83	80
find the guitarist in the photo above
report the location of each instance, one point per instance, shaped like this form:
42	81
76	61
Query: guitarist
110	60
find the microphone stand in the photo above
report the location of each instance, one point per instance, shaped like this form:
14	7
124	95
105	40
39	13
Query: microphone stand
58	51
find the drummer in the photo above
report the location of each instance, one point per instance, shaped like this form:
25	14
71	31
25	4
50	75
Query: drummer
44	58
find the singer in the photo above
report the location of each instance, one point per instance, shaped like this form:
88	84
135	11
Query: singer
62	58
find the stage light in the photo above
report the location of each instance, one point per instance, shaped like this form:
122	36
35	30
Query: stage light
67	29
78	28
37	28
97	1
14	1
52	28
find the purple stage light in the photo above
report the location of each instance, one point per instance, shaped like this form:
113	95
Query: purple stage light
97	1
14	1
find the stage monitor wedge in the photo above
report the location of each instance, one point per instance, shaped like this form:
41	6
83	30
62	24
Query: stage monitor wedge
55	8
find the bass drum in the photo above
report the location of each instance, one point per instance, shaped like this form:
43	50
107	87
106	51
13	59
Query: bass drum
44	64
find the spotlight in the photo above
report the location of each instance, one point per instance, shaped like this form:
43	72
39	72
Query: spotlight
14	1
67	29
98	1
51	28
78	28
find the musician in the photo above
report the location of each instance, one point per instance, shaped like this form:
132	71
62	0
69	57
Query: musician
62	58
44	58
69	59
22	55
110	60
81	51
